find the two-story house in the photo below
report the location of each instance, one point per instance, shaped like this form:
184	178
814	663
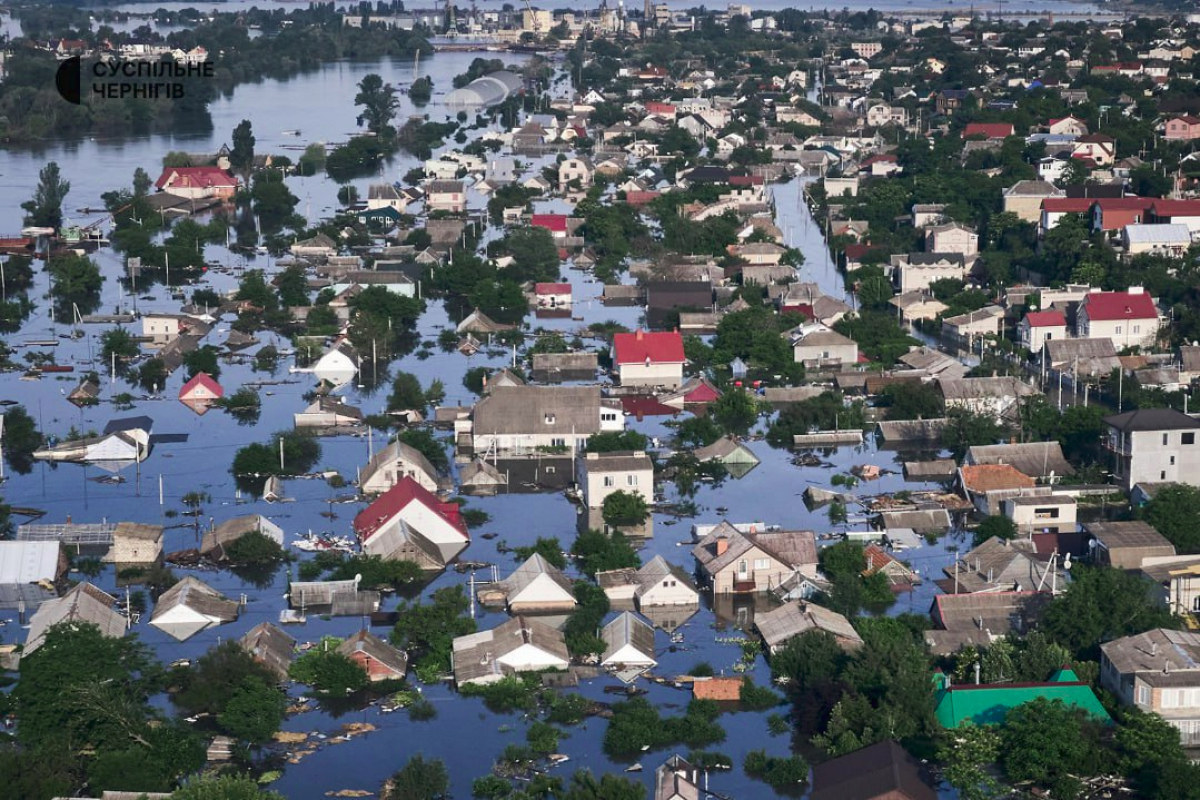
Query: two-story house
1158	672
649	358
1039	327
1128	319
1153	445
736	562
1182	129
914	271
952	238
448	196
577	168
629	471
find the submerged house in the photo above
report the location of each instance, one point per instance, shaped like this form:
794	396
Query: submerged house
85	603
538	587
408	518
216	540
393	464
338	365
730	452
271	647
376	657
780	626
336	598
123	442
519	645
29	571
628	642
736	562
189	607
481	478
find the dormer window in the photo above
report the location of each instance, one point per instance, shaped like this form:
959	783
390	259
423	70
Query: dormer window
549	419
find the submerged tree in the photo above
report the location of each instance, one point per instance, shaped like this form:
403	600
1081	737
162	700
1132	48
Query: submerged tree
44	209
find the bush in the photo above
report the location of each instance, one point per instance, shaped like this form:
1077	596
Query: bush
778	772
328	671
636	724
757	698
510	693
254	549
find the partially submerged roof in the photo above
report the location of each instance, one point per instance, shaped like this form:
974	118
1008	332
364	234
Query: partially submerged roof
884	769
84	603
794	619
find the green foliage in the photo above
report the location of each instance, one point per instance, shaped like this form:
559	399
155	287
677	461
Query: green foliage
421	91
207	685
967	429
379	102
624	508
736	411
542	738
615	441
293	287
997	527
966	754
843	563
223	787
274	203
376	571
328	671
596	551
534	251
584	786
1102	604
152	375
1175	513
757	698
244	404
878	335
754	336
118	342
202	359
510	693
406	393
778	772
241	155
826	411
548	548
254	549
256	461
1051	744
427	630
74	279
254	289
698	432
254	711
44	209
419	780
21	439
636	724
567	708
491	787
913	401
582	629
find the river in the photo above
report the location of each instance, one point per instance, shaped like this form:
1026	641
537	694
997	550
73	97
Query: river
465	735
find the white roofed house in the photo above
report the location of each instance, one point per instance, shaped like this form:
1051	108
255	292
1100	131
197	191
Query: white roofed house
28	572
628	642
1167	239
538	587
189	607
338	365
629	471
394	463
385	195
123	442
519	645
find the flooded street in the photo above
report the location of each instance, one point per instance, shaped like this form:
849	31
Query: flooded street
464	734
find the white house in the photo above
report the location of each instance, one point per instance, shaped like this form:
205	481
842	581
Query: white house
338	365
628	642
446	196
647	358
952	238
393	464
577	168
824	348
408	504
520	419
629	471
1129	319
538	587
189	607
1166	239
1039	327
519	645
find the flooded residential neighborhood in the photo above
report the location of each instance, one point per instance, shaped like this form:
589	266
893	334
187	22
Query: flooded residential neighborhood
599	404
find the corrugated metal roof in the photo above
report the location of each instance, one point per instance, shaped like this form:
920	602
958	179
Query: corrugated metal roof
28	562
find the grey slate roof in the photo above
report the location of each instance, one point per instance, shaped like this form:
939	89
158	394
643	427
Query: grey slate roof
1152	419
525	409
793	619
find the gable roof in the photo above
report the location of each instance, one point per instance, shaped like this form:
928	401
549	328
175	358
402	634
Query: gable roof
794	619
986	704
661	347
1044	319
396	499
534	567
793	548
375	648
84	603
195	178
205	380
1152	419
544	409
1035	459
1119	305
990	130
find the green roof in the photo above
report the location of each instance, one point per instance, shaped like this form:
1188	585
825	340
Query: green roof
987	704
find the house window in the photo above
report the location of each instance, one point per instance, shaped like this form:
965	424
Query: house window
1162	475
1187	438
1165	440
1137	328
631	480
1143	695
1049	335
1196	603
1117	329
743	567
551	470
556	442
762	563
549	419
610	480
1172	461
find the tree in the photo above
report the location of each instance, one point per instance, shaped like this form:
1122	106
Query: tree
254	711
203	359
615	441
913	401
223	787
585	786
966	428
596	551
293	287
421	91
21	439
241	155
327	670
45	208
142	182
624	508
419	780
76	279
1051	744
152	374
1175	513
548	548
379	102
995	526
965	757
1102	604
253	289
407	393
207	685
535	254
118	342
427	630
735	411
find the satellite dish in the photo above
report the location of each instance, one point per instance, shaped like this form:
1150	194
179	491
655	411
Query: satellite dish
1067	562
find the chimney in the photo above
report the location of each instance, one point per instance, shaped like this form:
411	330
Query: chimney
1154	648
722	546
640	334
1137	290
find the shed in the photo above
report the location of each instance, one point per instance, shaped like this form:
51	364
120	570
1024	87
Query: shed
189	607
628	642
1127	545
719	689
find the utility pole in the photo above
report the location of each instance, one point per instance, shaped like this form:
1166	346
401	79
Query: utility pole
281	454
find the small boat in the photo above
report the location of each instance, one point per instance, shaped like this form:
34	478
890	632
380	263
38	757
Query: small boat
292	133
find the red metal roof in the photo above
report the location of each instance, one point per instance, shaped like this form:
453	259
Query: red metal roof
556	223
1124	203
1119	305
396	499
201	379
661	347
703	393
1176	208
552	288
196	177
991	130
1045	319
642	406
1067	205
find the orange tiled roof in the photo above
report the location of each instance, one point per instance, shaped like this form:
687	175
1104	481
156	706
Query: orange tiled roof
994	477
718	689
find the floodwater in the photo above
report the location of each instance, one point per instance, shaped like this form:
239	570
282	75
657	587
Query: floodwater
464	734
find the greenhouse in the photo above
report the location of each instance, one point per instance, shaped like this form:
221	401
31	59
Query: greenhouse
490	90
